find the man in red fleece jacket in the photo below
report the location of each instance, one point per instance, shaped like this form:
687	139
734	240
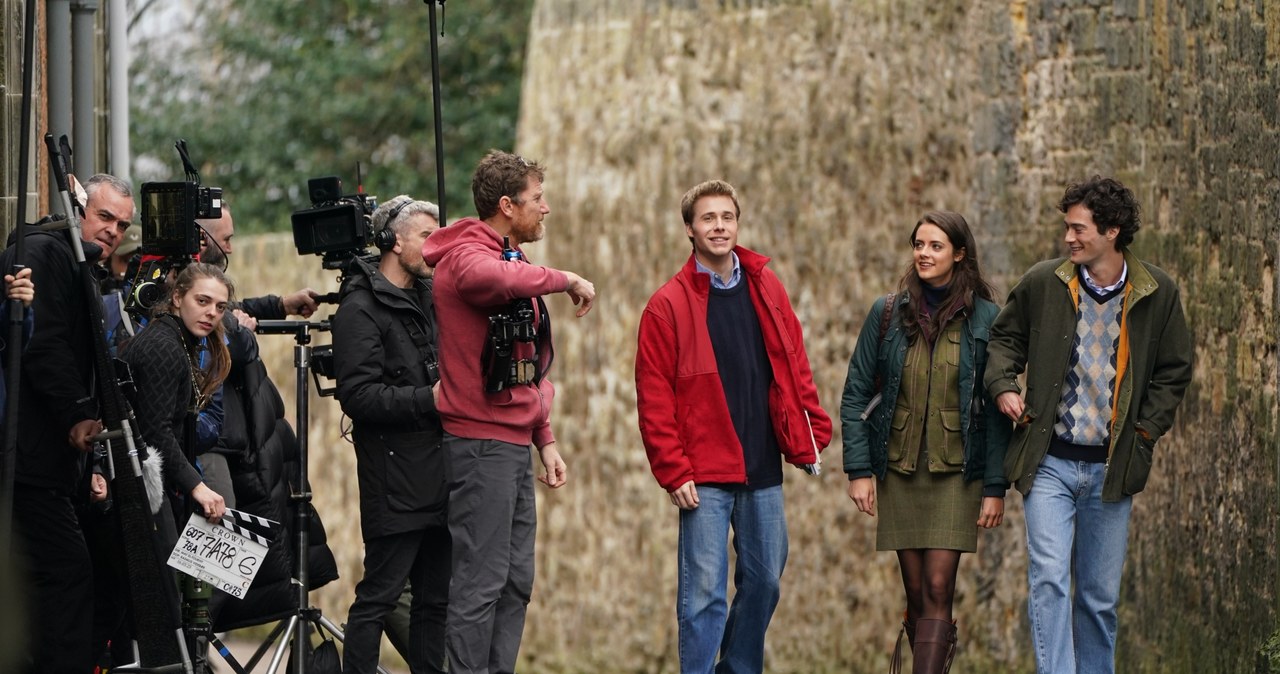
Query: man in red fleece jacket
724	393
491	415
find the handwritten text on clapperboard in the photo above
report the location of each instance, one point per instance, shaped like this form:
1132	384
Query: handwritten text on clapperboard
226	555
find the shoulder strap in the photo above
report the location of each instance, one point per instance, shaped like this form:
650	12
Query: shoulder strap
886	314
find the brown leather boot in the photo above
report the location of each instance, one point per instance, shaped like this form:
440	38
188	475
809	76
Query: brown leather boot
935	646
909	629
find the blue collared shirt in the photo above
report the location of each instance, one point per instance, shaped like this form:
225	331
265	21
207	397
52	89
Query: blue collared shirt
716	282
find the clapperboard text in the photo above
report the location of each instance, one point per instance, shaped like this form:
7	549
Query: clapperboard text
226	555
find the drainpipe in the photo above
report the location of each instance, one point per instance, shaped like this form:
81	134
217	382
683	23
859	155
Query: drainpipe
118	89
58	43
83	73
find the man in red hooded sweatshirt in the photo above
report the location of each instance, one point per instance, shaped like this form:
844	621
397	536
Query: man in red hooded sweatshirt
494	402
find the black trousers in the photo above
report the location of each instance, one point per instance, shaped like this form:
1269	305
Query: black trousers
55	562
422	558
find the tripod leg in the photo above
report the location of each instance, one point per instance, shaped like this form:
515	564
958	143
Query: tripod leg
284	643
227	657
266	644
330	628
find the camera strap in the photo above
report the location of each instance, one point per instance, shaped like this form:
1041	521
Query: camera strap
543	336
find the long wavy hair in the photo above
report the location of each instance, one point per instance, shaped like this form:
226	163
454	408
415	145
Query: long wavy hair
966	276
215	371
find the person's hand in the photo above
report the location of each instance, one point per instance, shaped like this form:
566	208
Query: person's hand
209	503
81	435
992	512
97	488
19	286
863	492
302	303
556	472
582	292
245	320
1011	405
685	497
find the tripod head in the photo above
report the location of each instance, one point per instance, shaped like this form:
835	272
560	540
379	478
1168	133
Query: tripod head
318	359
301	330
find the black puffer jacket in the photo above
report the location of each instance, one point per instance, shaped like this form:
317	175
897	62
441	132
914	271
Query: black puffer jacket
384	348
263	454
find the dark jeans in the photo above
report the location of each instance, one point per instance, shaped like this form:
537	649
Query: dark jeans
59	587
422	558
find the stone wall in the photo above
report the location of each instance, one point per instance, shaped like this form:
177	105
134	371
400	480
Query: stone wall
840	122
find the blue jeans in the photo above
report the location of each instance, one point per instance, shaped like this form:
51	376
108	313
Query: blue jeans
1073	535
760	543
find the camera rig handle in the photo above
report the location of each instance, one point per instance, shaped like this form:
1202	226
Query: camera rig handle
187	167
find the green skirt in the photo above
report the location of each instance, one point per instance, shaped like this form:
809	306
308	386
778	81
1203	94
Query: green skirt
927	510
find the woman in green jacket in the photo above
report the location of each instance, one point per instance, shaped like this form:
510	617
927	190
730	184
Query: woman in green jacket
923	442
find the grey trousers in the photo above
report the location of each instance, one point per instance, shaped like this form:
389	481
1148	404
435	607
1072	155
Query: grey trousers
492	521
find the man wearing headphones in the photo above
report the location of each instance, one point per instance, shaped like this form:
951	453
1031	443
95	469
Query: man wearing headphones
384	346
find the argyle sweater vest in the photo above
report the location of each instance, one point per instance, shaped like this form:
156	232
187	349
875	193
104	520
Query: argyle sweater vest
1084	412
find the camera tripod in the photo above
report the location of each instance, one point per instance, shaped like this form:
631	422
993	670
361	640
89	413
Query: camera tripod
297	627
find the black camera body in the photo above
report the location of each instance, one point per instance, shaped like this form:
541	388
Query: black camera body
514	323
169	213
337	226
170	237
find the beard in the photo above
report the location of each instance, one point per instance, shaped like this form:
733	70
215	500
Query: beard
213	255
529	232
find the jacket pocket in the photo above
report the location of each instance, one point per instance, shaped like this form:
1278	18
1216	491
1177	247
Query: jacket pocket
1139	466
951	448
952	345
897	443
415	472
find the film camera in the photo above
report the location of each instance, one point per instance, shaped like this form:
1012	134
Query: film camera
169	213
170	236
337	226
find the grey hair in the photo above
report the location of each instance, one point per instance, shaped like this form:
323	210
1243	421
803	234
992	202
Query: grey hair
411	207
119	185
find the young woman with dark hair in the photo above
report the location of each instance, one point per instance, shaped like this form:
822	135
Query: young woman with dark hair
171	382
923	442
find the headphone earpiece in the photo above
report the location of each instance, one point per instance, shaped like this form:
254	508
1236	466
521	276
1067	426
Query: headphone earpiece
385	238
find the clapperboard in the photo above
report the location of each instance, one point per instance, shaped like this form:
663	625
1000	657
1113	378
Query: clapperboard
226	555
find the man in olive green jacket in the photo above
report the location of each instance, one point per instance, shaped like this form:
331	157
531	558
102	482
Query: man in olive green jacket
1108	356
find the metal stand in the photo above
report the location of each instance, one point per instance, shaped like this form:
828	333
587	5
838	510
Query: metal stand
305	618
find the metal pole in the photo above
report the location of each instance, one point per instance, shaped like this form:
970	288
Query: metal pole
58	75
118	58
83	72
435	99
302	500
13	365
